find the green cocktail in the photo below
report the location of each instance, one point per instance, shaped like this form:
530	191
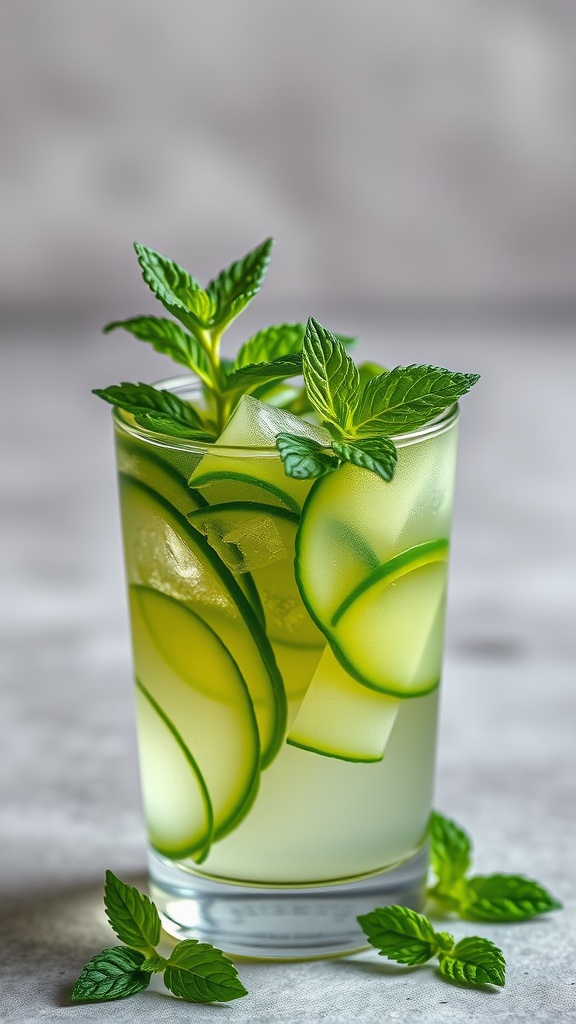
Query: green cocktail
287	586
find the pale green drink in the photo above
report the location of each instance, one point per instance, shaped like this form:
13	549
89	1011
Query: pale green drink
286	692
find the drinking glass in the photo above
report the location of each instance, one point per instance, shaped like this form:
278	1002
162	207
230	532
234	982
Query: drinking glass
287	638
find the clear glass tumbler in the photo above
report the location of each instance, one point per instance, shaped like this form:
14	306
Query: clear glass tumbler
287	640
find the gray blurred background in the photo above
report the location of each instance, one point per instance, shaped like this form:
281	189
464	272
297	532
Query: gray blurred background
401	153
416	162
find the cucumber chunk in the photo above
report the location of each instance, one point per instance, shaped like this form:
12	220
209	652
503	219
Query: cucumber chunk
177	658
340	718
165	553
250	475
389	636
176	803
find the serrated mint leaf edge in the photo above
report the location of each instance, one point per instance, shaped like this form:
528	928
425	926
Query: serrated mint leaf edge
122	903
331	377
220	983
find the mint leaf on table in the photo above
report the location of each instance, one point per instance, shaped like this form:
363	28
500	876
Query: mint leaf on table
331	376
200	973
407	397
196	971
402	935
156	409
474	961
450	850
504	898
170	339
132	916
497	897
112	974
303	457
378	454
176	289
235	286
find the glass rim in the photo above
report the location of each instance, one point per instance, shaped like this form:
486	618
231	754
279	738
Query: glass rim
434	427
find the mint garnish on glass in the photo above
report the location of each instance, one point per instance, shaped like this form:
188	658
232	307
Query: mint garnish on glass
359	407
195	971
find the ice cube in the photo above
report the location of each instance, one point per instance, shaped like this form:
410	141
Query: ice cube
250	473
256	424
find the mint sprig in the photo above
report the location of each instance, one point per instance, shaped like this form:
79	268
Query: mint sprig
402	935
194	971
360	411
498	897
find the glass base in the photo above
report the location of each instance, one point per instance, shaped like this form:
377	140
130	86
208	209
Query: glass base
274	923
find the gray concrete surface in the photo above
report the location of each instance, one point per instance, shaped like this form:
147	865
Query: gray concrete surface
507	764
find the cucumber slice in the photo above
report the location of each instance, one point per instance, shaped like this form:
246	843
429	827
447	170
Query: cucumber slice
220	485
388	634
261	538
154	471
174	651
176	803
332	558
150	468
340	718
164	552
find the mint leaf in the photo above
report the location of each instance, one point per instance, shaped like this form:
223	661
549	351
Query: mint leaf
401	934
378	454
450	850
407	397
246	378
168	338
303	457
156	409
270	343
474	961
132	916
154	964
504	898
331	376
112	974
368	370
233	288
279	340
200	973
176	289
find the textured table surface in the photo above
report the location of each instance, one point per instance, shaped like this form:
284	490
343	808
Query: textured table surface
507	762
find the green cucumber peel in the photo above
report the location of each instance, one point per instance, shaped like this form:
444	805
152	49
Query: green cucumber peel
245	609
198	850
195	971
406	561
